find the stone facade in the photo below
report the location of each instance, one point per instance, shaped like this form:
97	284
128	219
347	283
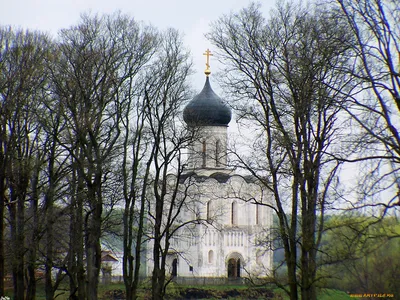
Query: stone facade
228	245
230	239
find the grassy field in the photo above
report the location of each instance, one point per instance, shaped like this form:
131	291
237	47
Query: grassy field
205	292
327	294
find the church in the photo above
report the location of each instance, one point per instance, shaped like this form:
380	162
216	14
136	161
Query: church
231	242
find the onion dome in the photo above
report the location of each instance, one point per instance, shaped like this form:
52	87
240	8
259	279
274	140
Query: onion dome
207	109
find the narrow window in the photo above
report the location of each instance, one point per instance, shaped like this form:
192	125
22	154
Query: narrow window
208	210
217	151
204	154
234	213
259	257
174	272
210	256
257	221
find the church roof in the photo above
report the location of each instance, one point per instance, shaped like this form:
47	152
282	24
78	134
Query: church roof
218	176
207	109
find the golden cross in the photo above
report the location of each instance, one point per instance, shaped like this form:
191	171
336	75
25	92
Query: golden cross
208	54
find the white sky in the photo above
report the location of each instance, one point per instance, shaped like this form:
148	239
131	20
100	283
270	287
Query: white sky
190	17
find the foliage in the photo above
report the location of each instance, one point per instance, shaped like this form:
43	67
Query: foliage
361	255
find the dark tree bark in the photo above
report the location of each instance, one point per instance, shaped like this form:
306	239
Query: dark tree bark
282	74
93	78
34	229
21	82
76	267
164	96
56	171
134	149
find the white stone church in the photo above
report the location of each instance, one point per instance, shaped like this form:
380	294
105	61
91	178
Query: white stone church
231	242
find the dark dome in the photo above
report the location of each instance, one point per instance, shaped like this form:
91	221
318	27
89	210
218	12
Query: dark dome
207	109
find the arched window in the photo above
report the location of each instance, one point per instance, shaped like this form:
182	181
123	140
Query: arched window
210	257
174	272
208	210
257	212
203	153
234	213
259	257
217	153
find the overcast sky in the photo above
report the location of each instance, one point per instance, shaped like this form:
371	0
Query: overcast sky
190	17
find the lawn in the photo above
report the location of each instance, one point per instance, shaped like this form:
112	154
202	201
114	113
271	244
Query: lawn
202	292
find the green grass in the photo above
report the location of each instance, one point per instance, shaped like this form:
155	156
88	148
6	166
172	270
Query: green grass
174	289
328	294
63	292
322	294
210	287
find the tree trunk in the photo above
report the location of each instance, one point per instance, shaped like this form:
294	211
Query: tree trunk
93	259
93	234
19	248
34	238
49	289
131	267
291	265
31	283
17	219
138	249
79	243
49	221
158	276
157	280
128	259
76	269
2	205
73	241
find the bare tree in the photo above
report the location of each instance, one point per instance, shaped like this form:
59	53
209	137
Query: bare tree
22	56
53	177
136	161
164	95
92	80
284	75
375	104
